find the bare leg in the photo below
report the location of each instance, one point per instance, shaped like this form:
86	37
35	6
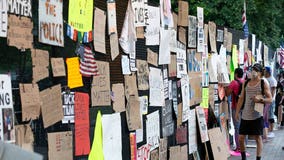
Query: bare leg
259	145
242	142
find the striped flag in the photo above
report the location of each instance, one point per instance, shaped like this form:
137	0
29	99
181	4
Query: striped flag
245	24
88	66
72	33
88	37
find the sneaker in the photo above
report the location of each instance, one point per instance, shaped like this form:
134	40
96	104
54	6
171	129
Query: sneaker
271	135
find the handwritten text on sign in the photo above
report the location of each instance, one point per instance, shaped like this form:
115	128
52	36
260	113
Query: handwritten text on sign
51	22
5	92
101	86
20	7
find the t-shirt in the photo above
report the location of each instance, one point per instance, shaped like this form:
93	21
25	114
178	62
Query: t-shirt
272	83
235	86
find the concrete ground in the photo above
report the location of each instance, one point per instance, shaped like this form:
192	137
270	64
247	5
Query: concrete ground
272	150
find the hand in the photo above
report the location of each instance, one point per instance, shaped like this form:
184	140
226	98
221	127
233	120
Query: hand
256	99
237	116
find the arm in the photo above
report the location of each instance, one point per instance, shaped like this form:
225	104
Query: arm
273	91
268	96
240	102
228	90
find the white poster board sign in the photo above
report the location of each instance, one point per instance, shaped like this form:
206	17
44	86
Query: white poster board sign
7	129
3	18
51	22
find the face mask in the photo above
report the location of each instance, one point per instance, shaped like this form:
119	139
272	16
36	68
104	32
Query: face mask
254	74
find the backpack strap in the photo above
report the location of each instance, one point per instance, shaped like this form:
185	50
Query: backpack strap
262	86
246	82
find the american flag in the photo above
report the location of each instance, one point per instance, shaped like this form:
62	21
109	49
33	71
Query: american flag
245	24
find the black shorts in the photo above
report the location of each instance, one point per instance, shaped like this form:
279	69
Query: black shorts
251	127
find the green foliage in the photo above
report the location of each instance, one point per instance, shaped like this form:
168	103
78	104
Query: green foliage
265	18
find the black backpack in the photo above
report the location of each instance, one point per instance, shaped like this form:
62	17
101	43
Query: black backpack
246	82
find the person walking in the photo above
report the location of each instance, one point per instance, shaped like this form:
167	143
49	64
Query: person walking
251	119
273	84
234	89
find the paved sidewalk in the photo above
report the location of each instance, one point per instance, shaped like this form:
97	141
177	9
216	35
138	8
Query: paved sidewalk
272	150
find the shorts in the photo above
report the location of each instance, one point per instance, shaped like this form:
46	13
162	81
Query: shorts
252	127
271	112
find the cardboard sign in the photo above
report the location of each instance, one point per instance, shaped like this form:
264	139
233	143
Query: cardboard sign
174	153
133	113
111	17
101	85
30	101
182	13
99	30
68	99
130	86
182	35
51	105
206	31
60	145
212	36
154	155
40	59
140	32
82	126
229	41
7	130
118	97
179	115
50	15
3	19
142	75
192	26
163	149
24	137
21	25
152	57
80	22
181	134
114	46
58	67
21	8
218	144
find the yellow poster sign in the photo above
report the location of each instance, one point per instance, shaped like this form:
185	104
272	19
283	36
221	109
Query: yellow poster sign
80	15
205	98
74	78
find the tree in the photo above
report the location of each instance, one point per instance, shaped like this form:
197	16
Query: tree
265	18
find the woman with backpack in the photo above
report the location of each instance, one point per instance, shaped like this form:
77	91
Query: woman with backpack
251	119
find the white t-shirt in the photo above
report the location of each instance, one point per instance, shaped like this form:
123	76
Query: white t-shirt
272	83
